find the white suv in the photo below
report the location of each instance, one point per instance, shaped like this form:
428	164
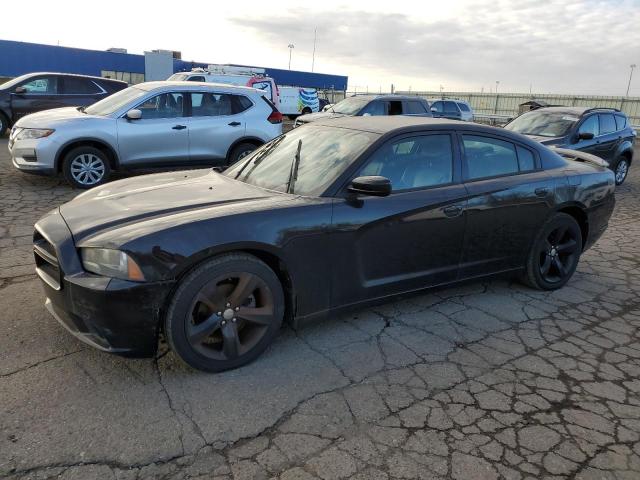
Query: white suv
154	124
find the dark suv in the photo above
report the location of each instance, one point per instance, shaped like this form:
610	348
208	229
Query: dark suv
42	91
604	132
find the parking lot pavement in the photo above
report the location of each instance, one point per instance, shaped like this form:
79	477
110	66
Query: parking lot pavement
485	381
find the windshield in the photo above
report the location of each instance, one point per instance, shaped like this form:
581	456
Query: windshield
543	123
325	153
115	102
15	81
178	76
350	106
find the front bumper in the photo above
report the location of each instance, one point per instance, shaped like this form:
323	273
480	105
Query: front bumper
33	155
112	315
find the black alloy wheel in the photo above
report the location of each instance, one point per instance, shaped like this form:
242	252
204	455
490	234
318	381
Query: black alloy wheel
555	254
225	313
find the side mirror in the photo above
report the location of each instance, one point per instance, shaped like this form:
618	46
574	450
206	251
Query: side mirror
371	185
366	114
585	135
20	90
434	109
134	114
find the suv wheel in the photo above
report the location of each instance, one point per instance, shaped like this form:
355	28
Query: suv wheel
225	313
621	169
86	167
4	124
240	152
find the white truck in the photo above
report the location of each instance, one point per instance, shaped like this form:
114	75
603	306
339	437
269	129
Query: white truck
291	101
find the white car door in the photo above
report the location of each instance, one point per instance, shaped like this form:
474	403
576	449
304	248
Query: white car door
217	121
160	136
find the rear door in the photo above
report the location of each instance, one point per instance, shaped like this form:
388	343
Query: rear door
80	91
160	137
217	121
510	198
413	237
609	138
41	93
451	110
416	108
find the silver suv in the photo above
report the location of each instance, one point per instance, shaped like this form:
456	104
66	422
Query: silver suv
154	124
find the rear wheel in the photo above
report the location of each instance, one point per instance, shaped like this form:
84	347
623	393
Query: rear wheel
305	110
241	151
555	253
621	170
225	313
86	167
4	124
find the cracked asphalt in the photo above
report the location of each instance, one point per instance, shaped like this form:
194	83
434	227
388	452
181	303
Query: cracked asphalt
489	380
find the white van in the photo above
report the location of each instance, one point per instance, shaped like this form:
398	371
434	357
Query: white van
298	101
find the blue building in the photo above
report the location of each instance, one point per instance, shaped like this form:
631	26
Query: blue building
18	58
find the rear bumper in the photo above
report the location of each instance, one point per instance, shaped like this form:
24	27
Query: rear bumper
112	315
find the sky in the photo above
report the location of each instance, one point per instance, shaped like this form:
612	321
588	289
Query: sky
543	46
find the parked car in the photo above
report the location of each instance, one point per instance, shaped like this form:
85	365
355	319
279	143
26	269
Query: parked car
452	109
335	214
43	91
154	124
370	105
604	132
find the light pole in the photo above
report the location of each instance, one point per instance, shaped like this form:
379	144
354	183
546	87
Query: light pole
632	66
497	83
313	57
291	47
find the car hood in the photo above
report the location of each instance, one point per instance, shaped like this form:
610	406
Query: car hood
54	117
155	196
546	140
312	117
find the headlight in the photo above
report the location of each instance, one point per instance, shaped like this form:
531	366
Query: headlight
111	263
31	133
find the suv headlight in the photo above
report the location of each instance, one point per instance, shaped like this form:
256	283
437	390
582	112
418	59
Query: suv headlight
111	263
32	133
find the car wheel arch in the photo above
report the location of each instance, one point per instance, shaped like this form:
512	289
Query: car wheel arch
92	142
580	216
253	140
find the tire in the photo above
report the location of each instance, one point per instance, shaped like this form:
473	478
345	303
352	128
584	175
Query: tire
4	124
305	111
241	151
97	166
213	325
558	242
621	169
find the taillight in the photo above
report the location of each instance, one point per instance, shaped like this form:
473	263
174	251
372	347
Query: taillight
275	117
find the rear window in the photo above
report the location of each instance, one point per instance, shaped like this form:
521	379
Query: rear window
607	123
197	78
621	122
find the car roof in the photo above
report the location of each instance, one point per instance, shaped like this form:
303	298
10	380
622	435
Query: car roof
577	110
387	97
92	77
185	85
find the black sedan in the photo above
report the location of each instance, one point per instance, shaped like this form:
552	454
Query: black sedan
336	214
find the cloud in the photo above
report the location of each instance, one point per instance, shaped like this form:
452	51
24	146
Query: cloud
557	46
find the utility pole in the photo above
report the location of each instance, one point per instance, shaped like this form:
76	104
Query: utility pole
313	57
632	66
497	83
291	47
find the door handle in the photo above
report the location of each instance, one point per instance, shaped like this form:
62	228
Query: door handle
235	124
541	192
179	127
453	211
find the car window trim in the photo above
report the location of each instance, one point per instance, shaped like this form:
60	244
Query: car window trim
153	95
465	173
340	187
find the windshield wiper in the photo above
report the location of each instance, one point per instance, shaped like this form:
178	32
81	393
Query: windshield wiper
293	175
259	158
81	109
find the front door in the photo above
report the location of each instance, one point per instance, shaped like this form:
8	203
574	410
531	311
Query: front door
40	93
160	137
410	239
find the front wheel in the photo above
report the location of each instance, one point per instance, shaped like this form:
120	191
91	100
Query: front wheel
621	169
86	167
555	253
225	313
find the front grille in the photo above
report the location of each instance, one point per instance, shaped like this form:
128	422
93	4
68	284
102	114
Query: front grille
46	258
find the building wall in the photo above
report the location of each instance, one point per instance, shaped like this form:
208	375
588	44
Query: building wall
18	58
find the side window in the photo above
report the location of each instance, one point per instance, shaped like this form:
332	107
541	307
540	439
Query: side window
196	78
450	107
464	107
621	122
437	106
241	103
415	108
165	105
590	125
395	107
79	86
214	104
42	85
488	157
415	162
607	123
375	108
526	160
